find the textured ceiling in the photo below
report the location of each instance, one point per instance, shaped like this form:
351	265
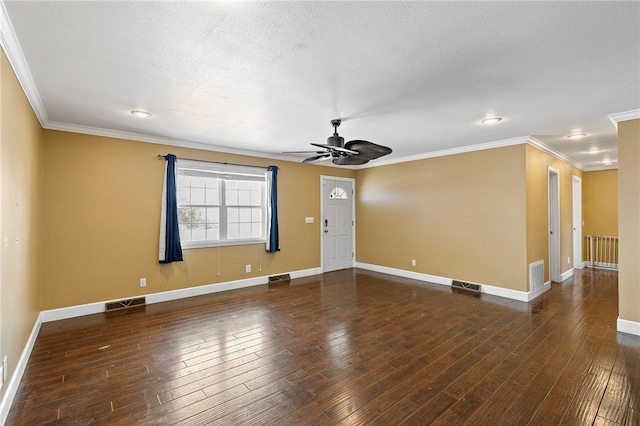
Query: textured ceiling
268	76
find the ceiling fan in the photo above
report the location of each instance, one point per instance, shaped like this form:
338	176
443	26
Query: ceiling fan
352	153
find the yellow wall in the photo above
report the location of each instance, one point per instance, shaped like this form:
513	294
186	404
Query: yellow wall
537	184
460	216
101	227
600	202
20	188
629	220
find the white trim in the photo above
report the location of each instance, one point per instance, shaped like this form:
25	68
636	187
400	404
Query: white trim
450	151
536	143
629	327
16	377
73	311
137	137
99	307
567	274
353	216
16	58
624	116
405	274
521	296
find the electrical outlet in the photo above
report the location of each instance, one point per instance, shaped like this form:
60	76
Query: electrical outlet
569	260
309	220
143	282
413	262
247	268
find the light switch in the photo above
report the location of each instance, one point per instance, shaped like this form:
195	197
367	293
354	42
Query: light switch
309	220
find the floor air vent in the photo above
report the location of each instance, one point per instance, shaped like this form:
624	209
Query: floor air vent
279	279
121	304
461	285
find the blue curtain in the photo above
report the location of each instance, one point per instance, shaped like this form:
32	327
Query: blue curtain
170	249
273	240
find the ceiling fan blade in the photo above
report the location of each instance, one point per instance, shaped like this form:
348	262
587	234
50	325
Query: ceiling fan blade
368	150
304	152
317	158
336	148
350	160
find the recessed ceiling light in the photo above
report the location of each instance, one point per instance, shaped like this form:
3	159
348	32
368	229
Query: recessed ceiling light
594	151
141	114
576	135
492	120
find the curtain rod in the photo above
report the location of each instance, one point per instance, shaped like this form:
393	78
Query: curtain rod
216	162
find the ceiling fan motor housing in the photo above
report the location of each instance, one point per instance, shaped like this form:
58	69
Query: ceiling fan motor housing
335	140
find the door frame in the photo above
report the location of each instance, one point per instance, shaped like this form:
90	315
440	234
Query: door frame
553	232
576	194
353	216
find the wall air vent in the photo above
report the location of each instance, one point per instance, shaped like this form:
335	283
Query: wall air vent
122	304
461	285
279	280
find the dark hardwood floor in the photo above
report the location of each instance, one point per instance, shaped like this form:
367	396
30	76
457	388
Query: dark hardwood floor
349	347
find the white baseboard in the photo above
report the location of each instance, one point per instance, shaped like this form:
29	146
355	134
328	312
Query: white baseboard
629	327
507	293
566	275
16	377
404	273
165	296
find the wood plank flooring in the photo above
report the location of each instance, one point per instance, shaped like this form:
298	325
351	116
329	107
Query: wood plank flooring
347	348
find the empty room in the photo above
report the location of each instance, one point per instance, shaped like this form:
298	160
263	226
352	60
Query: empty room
295	213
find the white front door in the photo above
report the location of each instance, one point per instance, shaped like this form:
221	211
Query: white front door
337	223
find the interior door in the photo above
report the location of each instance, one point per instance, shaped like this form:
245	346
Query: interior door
337	223
554	226
577	222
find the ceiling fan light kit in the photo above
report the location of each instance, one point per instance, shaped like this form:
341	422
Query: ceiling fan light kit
352	153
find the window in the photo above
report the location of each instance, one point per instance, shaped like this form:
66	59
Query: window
220	204
339	193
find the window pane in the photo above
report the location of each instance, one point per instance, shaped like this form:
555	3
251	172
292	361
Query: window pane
213	215
256	198
245	230
256	215
185	232
197	182
256	230
245	215
212	197
256	186
213	232
232	230
232	197
244	198
197	196
184	214
212	182
232	184
182	180
244	185
232	215
198	233
183	195
199	214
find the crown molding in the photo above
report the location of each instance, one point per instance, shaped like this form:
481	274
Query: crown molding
560	156
16	58
138	137
451	151
624	116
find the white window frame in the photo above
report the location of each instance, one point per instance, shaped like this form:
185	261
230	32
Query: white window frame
225	172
